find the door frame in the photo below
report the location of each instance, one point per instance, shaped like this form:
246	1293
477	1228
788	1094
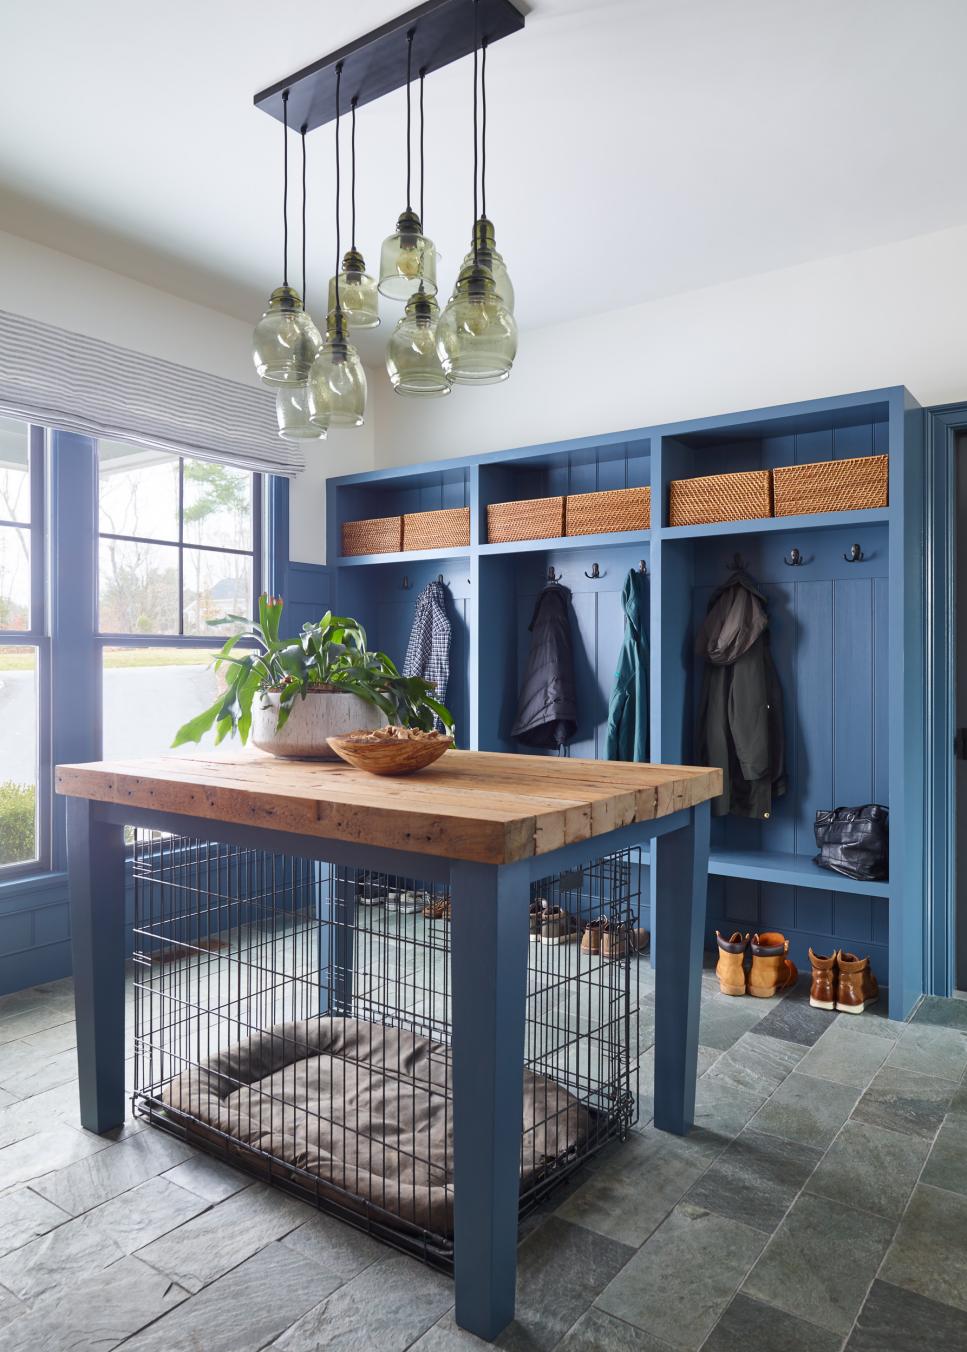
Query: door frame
945	424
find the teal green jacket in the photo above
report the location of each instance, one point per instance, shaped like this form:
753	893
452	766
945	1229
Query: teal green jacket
628	710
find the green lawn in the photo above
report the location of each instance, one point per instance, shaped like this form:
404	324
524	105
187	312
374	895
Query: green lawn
23	659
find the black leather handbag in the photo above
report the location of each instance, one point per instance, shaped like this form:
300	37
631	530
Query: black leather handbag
854	841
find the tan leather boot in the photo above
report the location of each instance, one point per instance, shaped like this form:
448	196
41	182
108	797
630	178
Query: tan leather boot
772	971
822	993
730	968
855	984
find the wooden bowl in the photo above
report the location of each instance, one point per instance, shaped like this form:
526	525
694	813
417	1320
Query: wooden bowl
389	757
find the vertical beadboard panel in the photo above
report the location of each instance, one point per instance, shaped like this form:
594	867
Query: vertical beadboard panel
852	654
814	704
881	709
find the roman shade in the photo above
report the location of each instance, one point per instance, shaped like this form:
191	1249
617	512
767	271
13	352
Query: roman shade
79	384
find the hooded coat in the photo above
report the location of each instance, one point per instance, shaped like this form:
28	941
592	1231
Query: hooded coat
628	709
740	718
547	706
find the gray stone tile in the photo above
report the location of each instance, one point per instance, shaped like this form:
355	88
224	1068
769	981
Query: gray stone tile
242	1311
902	1100
870	1168
97	1313
807	1110
546	1306
934	1009
958	1104
61	1037
930	1050
59	1259
707	1056
24	1072
748	1326
795	1020
721	1025
100	1177
10	1308
929	1254
445	1336
820	1262
906	1322
24	1117
152	1209
756	1064
389	1306
334	1246
224	1236
678	1284
845	1059
25	1216
632	1195
947	1165
55	1148
755	1180
208	1177
873	1022
597	1331
6	1098
35	1019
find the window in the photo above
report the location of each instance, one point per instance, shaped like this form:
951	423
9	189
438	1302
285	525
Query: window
179	545
24	778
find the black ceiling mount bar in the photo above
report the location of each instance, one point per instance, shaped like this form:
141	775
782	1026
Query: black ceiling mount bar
375	64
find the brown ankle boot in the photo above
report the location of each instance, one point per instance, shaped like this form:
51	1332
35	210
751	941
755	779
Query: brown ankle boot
855	985
730	968
772	971
822	993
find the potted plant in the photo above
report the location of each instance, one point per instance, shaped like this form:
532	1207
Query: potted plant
291	694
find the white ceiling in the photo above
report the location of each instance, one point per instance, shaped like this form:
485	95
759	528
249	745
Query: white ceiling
638	147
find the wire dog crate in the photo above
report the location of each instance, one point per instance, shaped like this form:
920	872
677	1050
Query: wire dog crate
295	1019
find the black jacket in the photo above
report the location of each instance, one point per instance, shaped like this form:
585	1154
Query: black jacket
740	718
547	707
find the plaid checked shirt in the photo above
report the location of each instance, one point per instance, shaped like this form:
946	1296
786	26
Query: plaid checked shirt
428	651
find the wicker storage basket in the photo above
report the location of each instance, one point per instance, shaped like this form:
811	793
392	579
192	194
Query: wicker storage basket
436	530
531	519
611	510
832	485
720	497
379	535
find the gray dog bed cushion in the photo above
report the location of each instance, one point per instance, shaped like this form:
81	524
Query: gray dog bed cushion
365	1108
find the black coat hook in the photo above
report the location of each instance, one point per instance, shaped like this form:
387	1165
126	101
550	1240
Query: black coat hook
441	581
595	572
795	559
405	584
737	564
642	567
855	555
552	576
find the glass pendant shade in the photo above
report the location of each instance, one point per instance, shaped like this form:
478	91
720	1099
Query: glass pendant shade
285	341
357	293
412	359
476	334
483	250
408	260
337	381
292	414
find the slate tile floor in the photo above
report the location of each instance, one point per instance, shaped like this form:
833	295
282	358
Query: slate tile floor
820	1205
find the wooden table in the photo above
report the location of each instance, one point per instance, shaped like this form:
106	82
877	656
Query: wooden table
487	825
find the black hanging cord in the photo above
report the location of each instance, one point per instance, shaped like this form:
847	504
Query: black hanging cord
302	133
409	116
483	130
352	141
338	244
476	43
422	169
285	187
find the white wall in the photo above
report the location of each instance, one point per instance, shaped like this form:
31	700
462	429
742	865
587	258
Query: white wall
53	287
896	314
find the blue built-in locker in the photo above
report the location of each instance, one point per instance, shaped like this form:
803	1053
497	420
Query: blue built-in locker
847	637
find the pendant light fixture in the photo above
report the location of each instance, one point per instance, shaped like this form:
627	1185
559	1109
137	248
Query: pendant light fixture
292	401
476	333
412	359
483	243
337	381
408	258
357	289
286	340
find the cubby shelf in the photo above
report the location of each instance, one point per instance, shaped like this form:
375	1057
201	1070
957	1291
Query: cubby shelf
841	636
769	524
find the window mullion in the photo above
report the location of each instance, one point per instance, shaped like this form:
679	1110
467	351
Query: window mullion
181	547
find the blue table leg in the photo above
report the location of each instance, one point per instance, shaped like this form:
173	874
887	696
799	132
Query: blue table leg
681	863
337	903
489	935
95	852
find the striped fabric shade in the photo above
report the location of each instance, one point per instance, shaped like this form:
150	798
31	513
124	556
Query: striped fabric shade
66	380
